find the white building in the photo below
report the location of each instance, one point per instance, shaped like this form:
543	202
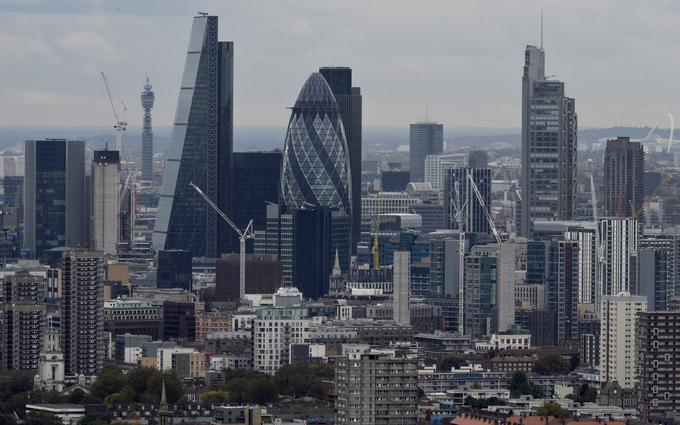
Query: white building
506	342
105	201
617	337
619	240
50	375
402	284
164	356
436	167
587	263
386	202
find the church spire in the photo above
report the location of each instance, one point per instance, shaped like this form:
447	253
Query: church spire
336	266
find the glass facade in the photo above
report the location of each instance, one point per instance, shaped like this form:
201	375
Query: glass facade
201	149
316	170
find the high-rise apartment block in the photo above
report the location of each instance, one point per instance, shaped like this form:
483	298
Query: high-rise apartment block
82	315
201	150
549	127
402	284
619	239
349	102
376	387
562	287
105	201
618	337
54	202
147	97
624	169
23	320
657	359
426	138
274	330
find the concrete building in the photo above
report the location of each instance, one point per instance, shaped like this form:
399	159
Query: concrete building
619	239
402	284
23	320
105	201
653	277
55	213
549	138
508	279
618	337
273	332
657	359
131	316
426	138
237	415
624	168
376	387
437	167
82	314
50	376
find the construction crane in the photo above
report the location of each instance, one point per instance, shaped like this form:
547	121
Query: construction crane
121	125
482	204
459	210
650	198
243	236
376	248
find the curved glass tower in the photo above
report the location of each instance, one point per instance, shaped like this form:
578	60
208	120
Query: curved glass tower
315	170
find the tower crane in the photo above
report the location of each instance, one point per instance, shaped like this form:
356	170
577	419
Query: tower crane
482	204
650	198
459	210
376	239
121	125
243	236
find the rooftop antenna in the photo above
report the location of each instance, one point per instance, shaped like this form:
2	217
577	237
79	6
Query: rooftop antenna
541	29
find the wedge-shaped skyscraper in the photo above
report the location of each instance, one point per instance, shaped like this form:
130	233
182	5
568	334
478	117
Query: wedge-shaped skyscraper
315	169
201	152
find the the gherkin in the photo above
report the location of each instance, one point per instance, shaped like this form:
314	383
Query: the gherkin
315	169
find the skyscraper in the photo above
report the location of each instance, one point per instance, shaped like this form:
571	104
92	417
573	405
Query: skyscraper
459	190
619	239
426	138
349	102
562	287
201	149
316	166
402	283
54	201
105	201
147	98
82	313
624	169
549	140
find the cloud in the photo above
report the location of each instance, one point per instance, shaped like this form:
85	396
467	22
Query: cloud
89	45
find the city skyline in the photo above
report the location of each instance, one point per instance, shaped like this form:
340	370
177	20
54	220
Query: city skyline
464	47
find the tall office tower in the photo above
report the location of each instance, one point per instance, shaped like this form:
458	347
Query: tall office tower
562	287
624	169
619	240
426	138
618	336
54	201
257	179
105	201
402	284
437	167
201	152
481	281
82	312
316	165
549	139
364	397
349	101
657	357
147	97
23	320
459	191
652	277
587	263
174	269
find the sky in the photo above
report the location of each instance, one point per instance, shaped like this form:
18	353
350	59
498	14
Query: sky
460	59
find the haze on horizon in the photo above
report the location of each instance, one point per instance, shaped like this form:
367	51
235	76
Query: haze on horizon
462	59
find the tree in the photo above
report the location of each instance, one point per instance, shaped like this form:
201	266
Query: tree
520	385
6	419
249	386
584	394
214	398
483	403
110	380
551	408
94	419
41	418
300	380
452	360
551	364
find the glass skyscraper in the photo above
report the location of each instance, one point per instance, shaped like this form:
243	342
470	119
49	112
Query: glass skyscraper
316	170
201	152
425	138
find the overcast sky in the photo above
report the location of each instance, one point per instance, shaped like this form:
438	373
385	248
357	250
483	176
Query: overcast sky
464	59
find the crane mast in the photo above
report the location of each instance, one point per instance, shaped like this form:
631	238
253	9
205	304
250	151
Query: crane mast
459	210
243	237
482	204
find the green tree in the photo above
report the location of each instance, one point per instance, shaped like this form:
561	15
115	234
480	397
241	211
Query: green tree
520	385
452	360
214	398
300	380
7	419
109	381
551	408
250	386
551	364
41	418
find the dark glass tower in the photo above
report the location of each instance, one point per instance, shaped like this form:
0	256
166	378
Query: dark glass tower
425	138
624	169
201	149
349	101
147	98
459	190
54	201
